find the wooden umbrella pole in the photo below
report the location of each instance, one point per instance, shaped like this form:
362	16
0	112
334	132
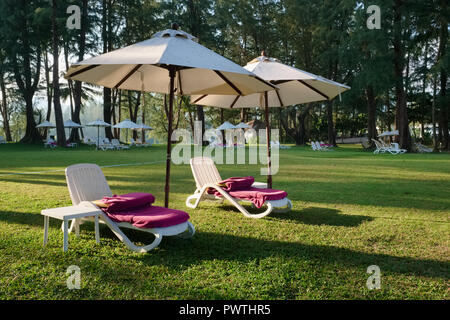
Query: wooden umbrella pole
169	136
269	161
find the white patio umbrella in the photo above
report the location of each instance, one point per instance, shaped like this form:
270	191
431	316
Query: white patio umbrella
171	62
46	125
389	133
295	86
126	124
226	126
71	125
143	127
98	123
242	125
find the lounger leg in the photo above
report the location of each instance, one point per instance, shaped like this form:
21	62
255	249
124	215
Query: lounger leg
97	232
66	235
46	222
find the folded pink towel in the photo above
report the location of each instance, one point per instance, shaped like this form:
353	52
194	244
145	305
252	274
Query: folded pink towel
150	217
128	201
241	188
237	183
136	208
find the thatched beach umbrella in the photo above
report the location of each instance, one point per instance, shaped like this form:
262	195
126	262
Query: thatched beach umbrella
171	62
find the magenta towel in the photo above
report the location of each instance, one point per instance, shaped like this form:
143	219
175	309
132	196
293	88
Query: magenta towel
237	183
241	188
136	208
128	201
150	217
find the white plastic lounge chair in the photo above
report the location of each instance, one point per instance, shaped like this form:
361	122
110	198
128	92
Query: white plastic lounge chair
313	146
423	149
395	149
105	144
206	176
379	147
50	143
87	183
116	144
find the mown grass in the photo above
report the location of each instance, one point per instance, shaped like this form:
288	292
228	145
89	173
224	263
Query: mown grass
352	209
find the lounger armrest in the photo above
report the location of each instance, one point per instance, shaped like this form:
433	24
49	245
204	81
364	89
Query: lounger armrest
261	185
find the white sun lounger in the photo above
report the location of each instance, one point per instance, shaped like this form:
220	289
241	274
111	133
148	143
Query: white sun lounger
206	176
87	183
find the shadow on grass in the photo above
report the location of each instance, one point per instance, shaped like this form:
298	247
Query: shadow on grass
177	253
321	216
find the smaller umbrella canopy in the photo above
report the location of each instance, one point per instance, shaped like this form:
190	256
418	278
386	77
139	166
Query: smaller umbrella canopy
46	124
242	126
389	133
144	127
226	126
70	124
126	124
98	123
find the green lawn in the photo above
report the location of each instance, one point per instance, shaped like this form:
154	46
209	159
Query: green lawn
352	209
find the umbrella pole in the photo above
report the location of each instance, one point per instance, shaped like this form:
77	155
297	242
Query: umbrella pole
98	136
169	136
269	161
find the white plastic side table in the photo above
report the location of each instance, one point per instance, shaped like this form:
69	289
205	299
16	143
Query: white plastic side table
66	214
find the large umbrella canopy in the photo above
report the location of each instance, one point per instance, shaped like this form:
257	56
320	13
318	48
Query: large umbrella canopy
226	126
170	62
98	123
46	124
295	86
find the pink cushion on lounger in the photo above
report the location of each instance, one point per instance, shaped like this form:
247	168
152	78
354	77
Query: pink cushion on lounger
128	201
241	188
149	217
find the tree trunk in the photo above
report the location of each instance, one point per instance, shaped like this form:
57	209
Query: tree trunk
371	115
331	132
77	92
4	109
444	108
49	90
401	114
56	91
201	117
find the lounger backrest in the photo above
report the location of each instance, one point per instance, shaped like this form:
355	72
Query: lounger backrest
204	171
86	182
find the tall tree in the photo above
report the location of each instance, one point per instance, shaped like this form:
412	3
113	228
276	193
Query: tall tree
61	135
22	47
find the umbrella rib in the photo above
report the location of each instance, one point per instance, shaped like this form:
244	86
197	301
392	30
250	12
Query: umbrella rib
314	89
179	81
129	74
228	82
200	98
234	102
279	98
83	70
